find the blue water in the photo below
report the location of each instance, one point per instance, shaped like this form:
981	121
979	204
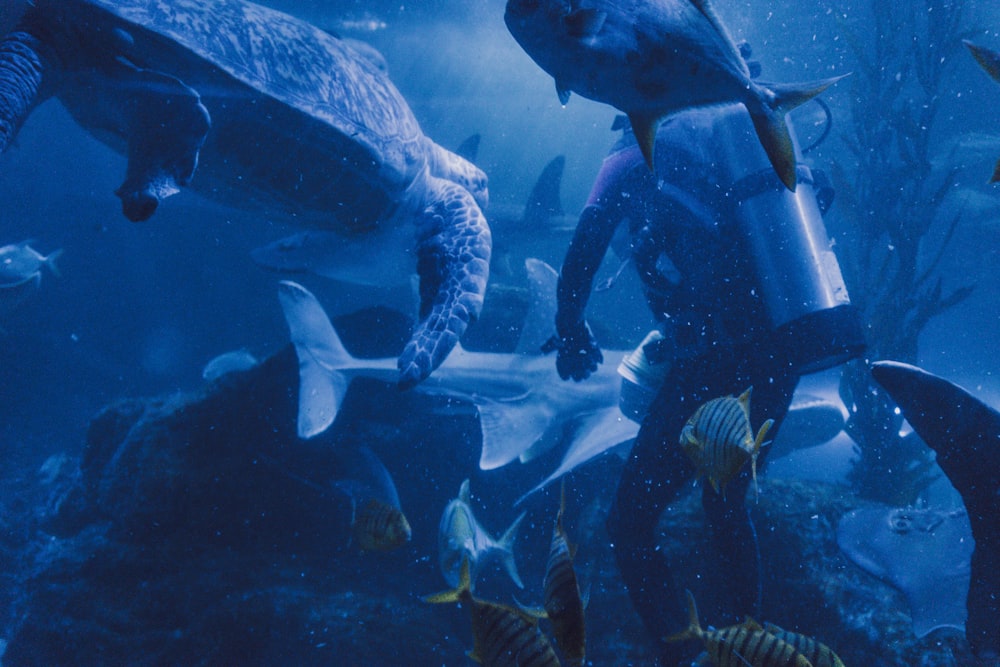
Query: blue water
140	308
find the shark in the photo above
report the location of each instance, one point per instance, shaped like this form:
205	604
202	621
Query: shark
652	58
965	434
524	407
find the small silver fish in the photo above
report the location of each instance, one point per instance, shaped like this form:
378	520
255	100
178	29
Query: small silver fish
20	263
462	538
228	362
652	58
719	440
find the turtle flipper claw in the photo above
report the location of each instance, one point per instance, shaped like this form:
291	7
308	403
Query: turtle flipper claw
453	262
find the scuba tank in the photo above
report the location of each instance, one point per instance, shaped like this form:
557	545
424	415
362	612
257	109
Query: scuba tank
783	239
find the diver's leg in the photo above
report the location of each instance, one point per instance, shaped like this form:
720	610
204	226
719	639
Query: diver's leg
653	477
730	526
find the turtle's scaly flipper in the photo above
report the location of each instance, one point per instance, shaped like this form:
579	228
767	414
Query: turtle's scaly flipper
167	127
21	70
453	262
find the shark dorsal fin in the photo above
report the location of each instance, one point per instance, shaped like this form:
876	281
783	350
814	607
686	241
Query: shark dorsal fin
544	201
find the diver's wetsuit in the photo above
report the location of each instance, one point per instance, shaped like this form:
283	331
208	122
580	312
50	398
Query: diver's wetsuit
717	342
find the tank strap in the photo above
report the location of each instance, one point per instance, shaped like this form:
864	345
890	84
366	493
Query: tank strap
765	180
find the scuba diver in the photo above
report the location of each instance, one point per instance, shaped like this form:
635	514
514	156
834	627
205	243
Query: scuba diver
738	272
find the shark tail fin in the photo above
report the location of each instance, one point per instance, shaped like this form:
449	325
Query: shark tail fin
322	357
506	547
772	129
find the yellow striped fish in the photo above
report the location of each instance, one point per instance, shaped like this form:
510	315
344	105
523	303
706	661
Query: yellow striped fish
378	526
744	645
819	654
719	440
563	604
502	636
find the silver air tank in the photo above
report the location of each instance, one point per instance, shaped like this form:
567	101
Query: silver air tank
784	239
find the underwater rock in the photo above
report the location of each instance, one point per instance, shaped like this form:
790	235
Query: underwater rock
198	530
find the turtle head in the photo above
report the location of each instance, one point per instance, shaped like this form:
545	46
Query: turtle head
139	203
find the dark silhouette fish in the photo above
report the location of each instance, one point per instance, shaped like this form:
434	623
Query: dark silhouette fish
503	636
743	645
989	60
563	603
965	433
651	59
377	522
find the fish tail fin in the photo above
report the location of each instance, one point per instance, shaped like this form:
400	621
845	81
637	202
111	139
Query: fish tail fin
50	262
757	444
693	630
562	503
644	128
506	546
988	59
772	129
458	594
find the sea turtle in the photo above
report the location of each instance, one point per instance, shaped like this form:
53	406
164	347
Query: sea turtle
271	110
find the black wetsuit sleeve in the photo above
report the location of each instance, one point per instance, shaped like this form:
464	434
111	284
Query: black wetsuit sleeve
586	252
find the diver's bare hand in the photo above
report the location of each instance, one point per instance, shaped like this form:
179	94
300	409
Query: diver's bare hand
577	352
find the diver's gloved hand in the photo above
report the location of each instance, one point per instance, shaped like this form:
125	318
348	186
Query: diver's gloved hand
578	354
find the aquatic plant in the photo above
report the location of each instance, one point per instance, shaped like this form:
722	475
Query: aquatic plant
892	229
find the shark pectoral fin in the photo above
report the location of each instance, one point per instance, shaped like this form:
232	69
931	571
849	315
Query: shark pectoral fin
509	429
602	431
584	23
167	127
644	127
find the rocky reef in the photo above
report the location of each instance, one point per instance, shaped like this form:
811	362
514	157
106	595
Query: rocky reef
196	529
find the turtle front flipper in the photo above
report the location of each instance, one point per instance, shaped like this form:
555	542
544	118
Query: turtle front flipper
22	65
167	125
453	262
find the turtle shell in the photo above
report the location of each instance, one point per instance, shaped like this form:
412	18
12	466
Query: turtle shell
276	55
